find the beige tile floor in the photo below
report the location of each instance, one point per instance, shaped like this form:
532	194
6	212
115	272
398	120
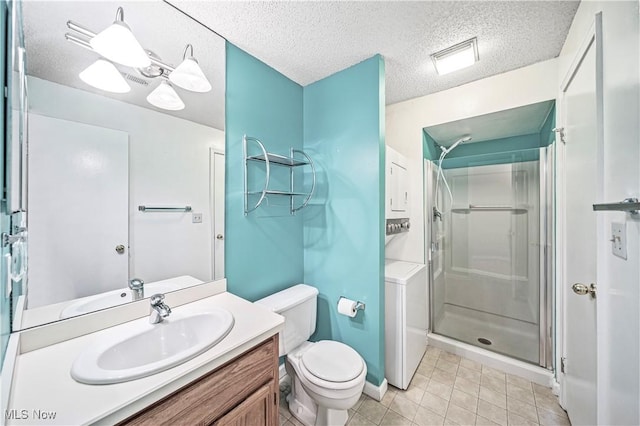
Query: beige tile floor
450	390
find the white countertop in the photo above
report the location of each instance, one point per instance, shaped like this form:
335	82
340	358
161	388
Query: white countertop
43	384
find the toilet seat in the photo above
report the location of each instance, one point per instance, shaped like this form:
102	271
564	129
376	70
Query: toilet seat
321	360
332	362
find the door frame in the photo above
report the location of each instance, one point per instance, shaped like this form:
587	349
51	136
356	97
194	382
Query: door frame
217	221
592	38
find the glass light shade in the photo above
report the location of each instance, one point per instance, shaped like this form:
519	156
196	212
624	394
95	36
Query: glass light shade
118	44
189	75
103	75
165	97
456	57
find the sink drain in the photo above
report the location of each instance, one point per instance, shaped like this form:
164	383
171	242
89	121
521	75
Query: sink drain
484	341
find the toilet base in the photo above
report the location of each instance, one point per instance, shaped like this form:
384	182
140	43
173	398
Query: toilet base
327	416
308	412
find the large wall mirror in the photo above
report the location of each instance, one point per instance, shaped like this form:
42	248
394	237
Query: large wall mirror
120	178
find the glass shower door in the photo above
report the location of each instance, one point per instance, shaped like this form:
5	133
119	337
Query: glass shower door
485	253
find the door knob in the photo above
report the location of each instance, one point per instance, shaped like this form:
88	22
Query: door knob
582	289
219	237
119	249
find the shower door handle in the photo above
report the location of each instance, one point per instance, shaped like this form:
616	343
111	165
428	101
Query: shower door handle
582	289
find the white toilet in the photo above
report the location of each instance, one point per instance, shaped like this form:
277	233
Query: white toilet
327	377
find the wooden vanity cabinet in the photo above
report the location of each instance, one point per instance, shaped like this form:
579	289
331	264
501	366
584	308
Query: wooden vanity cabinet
242	392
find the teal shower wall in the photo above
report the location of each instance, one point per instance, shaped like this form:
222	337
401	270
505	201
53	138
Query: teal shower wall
343	239
264	250
496	151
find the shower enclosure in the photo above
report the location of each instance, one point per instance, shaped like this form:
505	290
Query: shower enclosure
488	253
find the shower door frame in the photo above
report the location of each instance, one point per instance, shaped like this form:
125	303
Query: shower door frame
546	250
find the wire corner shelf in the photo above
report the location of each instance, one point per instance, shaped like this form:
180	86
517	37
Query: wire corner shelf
270	159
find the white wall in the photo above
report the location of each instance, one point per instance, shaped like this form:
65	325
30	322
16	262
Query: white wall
169	166
618	279
405	121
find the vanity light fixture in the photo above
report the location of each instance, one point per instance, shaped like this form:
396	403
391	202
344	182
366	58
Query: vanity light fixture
103	75
188	74
112	43
164	96
118	44
456	57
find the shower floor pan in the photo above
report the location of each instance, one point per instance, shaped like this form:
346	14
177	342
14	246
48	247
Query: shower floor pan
507	336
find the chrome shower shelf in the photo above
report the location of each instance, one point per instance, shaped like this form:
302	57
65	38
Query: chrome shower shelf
278	159
270	159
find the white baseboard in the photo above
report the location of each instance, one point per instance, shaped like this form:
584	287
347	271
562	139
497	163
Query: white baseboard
375	392
371	390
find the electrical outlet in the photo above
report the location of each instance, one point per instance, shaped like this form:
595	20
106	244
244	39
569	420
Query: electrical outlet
619	240
196	217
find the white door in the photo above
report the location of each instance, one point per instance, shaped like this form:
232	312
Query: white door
77	210
217	197
580	106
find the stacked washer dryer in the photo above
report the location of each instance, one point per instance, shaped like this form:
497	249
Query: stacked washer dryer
405	283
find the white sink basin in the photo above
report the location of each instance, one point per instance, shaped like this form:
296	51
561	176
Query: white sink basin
147	349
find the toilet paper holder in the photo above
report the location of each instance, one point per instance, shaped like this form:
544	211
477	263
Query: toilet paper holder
359	305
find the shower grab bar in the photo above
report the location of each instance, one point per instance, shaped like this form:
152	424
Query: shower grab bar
517	210
474	207
151	209
630	205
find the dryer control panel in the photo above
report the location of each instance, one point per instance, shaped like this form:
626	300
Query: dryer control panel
397	226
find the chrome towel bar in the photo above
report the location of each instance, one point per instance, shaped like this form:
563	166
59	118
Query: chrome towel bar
150	209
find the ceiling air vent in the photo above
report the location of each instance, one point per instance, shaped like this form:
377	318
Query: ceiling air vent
135	79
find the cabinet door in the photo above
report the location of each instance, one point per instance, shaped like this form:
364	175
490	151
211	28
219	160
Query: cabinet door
257	410
399	192
213	397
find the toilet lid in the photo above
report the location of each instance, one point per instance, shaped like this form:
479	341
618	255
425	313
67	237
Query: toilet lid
332	361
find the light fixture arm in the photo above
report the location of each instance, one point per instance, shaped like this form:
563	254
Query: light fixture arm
187	47
120	14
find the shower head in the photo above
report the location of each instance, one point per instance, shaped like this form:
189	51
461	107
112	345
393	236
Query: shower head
463	139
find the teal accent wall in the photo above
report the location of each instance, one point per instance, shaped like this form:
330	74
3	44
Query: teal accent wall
343	239
5	302
264	250
335	244
429	149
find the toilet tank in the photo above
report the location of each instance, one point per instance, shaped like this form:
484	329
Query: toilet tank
298	305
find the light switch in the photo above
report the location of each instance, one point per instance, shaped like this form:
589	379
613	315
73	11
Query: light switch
619	239
196	217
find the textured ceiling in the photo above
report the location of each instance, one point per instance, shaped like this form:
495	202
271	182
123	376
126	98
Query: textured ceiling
307	41
157	26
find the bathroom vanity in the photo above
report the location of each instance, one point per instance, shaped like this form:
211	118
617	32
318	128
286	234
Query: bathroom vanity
234	382
243	391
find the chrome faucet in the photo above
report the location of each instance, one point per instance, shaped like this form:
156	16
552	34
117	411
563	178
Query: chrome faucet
159	309
137	288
